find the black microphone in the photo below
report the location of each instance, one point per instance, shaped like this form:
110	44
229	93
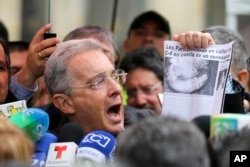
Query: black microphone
203	123
71	132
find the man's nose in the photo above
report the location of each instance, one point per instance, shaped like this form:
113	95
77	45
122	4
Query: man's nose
149	37
114	88
140	98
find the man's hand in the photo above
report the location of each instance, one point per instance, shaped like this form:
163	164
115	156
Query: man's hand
191	40
38	53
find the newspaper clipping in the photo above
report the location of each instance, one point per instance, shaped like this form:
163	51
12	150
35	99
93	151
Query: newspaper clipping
195	80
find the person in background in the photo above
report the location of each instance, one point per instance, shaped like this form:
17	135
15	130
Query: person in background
18	55
145	70
18	58
5	71
162	141
23	84
14	145
147	29
41	96
238	68
105	37
234	141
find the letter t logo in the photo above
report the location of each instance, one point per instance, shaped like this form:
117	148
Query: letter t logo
60	150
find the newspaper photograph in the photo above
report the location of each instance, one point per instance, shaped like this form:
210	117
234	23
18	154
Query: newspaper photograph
195	80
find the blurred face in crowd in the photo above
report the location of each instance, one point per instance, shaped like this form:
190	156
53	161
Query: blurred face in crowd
108	50
3	76
41	97
17	61
96	98
142	88
149	34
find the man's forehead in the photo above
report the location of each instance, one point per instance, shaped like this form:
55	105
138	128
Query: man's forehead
89	63
90	57
109	52
148	24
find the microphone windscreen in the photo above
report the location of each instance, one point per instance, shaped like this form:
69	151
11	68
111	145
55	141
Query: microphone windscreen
98	146
71	132
43	144
203	123
222	125
33	121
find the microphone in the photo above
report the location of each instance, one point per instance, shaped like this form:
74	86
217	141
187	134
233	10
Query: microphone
203	123
33	121
38	159
71	132
43	144
41	149
96	149
222	125
61	155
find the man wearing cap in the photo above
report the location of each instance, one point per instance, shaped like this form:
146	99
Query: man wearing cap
148	29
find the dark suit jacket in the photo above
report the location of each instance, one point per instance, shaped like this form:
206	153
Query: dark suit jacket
10	98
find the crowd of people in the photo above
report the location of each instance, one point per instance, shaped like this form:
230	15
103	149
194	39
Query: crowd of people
84	79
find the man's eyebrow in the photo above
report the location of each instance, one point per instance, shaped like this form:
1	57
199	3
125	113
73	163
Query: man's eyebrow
96	76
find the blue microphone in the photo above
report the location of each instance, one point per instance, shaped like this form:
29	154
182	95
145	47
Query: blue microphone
96	149
43	144
41	149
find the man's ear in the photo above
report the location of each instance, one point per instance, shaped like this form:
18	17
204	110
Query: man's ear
243	77
64	103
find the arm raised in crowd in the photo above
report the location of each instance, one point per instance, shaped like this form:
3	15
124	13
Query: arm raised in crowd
23	84
38	53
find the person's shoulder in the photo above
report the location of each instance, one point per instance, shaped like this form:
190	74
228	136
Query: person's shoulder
234	97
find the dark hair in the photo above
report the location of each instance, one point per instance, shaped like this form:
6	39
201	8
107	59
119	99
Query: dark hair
150	15
18	46
144	57
237	140
7	54
3	32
